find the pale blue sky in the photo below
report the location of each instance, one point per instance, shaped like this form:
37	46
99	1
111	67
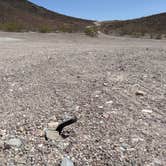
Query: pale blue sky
105	9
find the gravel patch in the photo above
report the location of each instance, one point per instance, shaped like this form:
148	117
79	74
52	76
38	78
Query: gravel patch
115	87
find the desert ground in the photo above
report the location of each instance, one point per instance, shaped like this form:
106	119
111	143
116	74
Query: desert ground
115	86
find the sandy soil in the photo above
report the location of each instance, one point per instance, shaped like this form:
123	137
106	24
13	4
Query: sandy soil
115	86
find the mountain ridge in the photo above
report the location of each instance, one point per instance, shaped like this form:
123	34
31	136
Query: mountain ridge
153	25
32	17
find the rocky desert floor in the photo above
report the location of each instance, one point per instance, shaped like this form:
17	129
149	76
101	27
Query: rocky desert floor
115	86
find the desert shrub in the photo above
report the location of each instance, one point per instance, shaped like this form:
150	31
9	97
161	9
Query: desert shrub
91	31
136	34
158	36
44	29
122	33
12	27
66	28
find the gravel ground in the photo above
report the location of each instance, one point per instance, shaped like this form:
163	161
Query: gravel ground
116	87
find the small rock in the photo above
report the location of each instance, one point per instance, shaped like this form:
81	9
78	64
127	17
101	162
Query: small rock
77	108
14	142
66	162
109	102
40	133
157	162
136	140
40	145
105	84
121	140
21	129
56	139
106	115
147	111
139	93
100	106
1	144
53	125
52	135
2	133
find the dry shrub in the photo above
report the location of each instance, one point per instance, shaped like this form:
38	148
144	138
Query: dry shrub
91	31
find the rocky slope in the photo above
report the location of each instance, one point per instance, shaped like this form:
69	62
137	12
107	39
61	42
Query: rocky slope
23	15
155	24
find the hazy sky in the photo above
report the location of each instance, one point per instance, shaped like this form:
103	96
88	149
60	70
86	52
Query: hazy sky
105	9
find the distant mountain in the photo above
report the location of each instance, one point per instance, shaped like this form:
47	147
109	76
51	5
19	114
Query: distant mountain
152	25
16	15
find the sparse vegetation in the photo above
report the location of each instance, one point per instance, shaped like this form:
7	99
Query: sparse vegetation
12	27
91	31
158	36
155	26
44	29
35	18
66	28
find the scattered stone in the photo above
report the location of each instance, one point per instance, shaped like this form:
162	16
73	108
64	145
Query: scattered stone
100	106
51	134
136	140
109	102
1	144
105	84
157	162
56	139
121	140
147	111
77	108
40	133
53	125
106	115
139	93
14	142
66	162
2	133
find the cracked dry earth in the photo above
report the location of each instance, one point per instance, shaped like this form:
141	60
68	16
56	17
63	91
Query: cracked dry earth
115	86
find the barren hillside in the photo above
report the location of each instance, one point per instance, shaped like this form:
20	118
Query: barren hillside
23	15
153	25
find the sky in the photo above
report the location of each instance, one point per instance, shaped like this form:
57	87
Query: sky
104	9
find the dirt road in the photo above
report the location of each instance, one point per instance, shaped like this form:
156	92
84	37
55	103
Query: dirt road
115	86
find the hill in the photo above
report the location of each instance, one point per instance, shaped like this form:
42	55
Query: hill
154	25
18	15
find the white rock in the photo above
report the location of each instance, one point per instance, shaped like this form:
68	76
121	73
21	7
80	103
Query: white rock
66	162
109	102
15	142
147	111
100	106
53	125
52	135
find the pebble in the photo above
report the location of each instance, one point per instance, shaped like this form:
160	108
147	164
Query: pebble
14	142
109	102
147	111
136	140
40	133
1	144
56	139
51	134
66	162
53	125
139	93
